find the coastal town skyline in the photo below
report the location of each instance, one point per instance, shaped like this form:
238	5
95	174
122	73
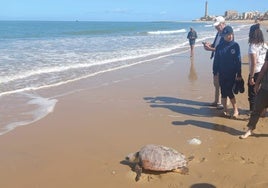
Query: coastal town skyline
235	15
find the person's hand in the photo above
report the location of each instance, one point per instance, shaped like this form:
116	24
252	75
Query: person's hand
251	81
207	46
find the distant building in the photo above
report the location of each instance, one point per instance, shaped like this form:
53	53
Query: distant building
252	15
231	15
265	16
234	15
248	16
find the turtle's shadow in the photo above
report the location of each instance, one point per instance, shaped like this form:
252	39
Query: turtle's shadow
144	171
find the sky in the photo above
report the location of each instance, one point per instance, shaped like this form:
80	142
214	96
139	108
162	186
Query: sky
122	10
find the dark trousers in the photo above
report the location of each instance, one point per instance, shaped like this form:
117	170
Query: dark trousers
251	93
261	102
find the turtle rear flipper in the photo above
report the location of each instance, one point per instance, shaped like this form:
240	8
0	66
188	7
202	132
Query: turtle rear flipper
138	170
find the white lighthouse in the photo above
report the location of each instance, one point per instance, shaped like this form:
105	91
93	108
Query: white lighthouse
206	10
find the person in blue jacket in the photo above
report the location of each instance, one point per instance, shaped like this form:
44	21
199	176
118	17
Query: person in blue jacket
192	36
227	63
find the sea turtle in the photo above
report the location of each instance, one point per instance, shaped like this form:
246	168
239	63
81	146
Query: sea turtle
158	158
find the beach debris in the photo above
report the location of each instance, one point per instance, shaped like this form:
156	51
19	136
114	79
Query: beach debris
113	172
157	158
203	159
194	141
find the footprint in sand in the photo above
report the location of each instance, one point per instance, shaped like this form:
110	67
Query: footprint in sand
228	156
261	185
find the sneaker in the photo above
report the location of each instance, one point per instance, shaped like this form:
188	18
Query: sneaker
219	106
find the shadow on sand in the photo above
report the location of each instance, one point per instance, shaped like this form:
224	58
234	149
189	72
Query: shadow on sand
182	106
193	108
197	109
208	125
203	185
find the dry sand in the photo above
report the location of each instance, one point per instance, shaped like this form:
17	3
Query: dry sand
84	141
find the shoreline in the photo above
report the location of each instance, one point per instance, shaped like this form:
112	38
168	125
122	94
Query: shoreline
263	23
84	141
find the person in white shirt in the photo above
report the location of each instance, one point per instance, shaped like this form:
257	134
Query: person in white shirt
256	52
261	100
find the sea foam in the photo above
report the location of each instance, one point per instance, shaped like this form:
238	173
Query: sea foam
41	107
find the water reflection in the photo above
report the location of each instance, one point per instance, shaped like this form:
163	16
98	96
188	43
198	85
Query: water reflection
192	73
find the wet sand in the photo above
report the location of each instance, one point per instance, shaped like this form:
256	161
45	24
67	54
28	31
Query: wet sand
83	143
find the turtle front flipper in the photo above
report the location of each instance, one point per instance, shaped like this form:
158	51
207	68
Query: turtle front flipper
138	170
182	170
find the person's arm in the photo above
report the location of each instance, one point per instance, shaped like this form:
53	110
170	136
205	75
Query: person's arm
209	47
189	35
238	62
263	71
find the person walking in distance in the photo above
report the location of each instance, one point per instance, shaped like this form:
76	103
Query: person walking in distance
192	36
219	25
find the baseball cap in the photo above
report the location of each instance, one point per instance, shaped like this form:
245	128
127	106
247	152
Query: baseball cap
227	30
218	20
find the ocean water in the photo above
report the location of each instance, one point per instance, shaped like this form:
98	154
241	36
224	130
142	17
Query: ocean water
37	55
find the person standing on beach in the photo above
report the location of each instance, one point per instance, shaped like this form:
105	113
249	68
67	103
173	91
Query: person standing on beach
256	23
192	36
261	99
227	64
219	25
257	50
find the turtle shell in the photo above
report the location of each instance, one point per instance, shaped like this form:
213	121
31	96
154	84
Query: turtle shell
161	158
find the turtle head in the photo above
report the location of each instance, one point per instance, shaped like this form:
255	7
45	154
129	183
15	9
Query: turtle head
133	157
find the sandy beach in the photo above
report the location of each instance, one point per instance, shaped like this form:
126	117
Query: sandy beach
83	143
